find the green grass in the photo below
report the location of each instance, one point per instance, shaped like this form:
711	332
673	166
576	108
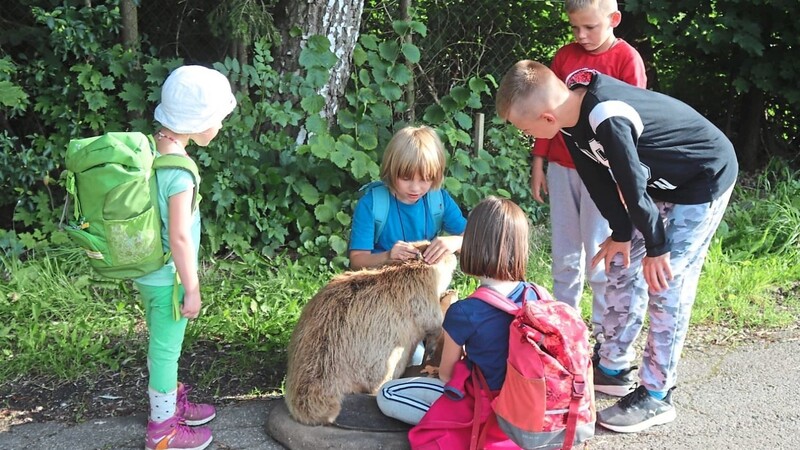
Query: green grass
57	320
747	293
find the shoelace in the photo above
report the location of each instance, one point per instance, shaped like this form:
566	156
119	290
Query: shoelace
183	399
634	397
180	429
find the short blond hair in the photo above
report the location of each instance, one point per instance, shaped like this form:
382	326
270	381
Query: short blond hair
603	6
527	86
414	151
495	241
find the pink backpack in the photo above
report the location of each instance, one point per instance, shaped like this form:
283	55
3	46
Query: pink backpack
547	398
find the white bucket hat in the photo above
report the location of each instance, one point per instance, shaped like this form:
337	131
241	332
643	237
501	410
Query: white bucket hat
194	99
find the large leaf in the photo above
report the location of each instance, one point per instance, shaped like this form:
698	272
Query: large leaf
317	53
389	50
322	145
400	74
11	95
313	104
411	52
391	91
307	192
367	136
434	114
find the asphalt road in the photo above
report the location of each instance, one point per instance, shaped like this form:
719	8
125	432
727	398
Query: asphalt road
746	397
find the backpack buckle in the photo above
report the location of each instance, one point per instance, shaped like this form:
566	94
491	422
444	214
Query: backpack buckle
578	387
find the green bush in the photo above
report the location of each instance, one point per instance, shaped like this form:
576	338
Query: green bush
280	178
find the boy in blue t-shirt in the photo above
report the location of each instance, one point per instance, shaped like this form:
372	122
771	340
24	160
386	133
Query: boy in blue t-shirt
412	167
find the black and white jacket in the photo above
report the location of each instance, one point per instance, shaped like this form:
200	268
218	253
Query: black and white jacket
654	147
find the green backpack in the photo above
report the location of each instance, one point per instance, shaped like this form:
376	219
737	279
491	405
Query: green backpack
112	180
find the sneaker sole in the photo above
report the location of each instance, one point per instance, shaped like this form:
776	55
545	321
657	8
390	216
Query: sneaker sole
615	390
660	419
195	423
200	447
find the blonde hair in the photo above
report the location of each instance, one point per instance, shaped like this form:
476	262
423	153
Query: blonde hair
603	6
414	151
495	241
528	85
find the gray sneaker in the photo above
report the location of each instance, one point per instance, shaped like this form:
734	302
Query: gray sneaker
618	385
637	412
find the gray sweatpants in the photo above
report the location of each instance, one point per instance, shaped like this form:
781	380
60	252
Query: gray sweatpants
689	229
577	230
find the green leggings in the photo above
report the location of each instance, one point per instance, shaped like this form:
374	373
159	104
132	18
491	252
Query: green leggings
166	336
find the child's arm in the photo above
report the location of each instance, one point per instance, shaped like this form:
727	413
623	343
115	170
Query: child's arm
401	251
453	223
183	253
442	246
538	181
451	354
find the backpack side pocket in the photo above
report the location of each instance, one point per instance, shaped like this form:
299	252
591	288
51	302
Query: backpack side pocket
132	227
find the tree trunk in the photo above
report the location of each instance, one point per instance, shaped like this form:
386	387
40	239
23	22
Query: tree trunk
750	129
130	38
339	20
130	24
405	14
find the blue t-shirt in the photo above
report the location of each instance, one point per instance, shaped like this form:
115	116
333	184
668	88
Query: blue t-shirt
171	182
406	223
483	331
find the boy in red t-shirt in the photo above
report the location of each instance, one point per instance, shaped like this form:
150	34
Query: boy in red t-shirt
577	227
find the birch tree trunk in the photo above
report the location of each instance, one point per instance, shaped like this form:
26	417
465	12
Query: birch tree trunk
338	20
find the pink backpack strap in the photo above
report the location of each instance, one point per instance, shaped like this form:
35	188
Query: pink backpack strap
502	302
541	292
495	299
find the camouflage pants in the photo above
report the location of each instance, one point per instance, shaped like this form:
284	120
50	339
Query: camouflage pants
689	229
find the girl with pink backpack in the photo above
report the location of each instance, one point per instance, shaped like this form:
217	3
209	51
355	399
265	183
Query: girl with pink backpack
457	410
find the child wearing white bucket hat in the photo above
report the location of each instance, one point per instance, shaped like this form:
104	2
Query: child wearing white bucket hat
194	101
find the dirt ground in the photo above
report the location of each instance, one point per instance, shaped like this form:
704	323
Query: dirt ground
43	398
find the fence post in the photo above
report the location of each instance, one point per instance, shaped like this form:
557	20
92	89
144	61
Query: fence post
478	133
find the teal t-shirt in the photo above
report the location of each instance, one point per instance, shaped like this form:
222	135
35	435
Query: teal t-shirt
404	222
171	182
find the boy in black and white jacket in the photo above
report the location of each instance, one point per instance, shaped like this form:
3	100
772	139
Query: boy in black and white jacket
662	175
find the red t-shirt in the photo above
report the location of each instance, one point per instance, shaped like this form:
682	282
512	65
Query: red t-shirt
621	61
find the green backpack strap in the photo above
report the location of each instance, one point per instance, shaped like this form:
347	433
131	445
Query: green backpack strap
175	161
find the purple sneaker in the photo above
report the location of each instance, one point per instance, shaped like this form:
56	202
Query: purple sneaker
192	413
173	433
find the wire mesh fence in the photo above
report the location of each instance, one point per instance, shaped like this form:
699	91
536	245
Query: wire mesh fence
465	38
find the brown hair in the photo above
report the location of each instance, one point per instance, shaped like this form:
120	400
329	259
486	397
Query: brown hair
527	81
412	151
495	241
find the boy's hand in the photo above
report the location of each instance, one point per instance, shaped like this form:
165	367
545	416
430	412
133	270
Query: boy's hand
657	272
403	251
441	247
538	180
191	305
608	249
